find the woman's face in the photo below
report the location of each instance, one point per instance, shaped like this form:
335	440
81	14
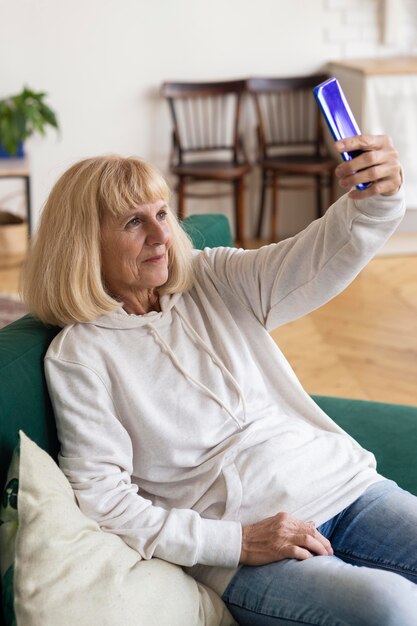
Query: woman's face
134	251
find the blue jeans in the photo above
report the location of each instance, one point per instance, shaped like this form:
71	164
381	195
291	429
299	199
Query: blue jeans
371	580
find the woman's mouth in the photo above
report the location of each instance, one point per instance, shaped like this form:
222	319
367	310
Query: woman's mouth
155	259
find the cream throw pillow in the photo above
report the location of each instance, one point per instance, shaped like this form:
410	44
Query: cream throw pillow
68	571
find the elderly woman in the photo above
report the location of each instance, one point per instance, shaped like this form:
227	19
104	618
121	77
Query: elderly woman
183	428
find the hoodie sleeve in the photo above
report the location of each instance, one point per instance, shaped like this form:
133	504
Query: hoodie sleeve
96	457
282	282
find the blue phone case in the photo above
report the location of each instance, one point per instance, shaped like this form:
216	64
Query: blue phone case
338	115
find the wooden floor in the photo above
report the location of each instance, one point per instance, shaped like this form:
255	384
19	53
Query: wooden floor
363	344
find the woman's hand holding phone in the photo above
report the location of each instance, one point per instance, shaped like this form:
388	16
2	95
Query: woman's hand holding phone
378	164
371	163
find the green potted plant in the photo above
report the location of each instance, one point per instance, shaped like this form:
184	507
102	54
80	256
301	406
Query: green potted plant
21	116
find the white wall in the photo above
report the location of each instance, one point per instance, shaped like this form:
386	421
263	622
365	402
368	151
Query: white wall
102	63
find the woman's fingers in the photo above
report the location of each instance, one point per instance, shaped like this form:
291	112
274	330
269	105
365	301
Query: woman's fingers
363	142
321	545
316	544
304	546
382	187
324	542
279	537
378	165
295	552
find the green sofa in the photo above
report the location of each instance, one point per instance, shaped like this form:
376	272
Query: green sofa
390	431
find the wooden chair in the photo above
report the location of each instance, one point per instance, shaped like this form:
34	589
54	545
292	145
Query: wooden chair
290	140
207	145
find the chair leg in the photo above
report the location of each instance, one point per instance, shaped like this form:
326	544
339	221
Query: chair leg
239	189
180	198
274	208
261	204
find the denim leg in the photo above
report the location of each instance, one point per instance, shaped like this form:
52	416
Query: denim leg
380	531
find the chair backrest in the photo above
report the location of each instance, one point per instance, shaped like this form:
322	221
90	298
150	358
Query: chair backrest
206	117
288	117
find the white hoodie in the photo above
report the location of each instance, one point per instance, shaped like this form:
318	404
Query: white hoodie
179	427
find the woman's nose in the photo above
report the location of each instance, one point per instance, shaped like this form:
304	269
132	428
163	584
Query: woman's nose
158	232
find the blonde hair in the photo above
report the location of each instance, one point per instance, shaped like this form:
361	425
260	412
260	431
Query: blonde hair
62	279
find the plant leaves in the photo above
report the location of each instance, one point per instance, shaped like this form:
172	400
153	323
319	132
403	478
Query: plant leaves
22	115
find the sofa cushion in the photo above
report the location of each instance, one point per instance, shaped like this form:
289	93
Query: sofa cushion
24	401
68	571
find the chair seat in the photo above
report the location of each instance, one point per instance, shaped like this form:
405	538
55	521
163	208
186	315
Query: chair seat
213	170
299	164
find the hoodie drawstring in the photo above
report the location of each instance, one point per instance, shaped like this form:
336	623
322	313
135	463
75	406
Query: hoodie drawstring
199	341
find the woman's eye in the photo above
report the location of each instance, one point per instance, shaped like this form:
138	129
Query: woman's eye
162	215
135	221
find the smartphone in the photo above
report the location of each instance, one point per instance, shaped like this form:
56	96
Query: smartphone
338	115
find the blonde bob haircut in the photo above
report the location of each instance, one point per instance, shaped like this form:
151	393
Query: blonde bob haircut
62	278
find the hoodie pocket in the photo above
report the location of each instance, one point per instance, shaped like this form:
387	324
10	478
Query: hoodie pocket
233	492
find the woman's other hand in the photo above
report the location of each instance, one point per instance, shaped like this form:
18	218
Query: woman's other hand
379	164
282	537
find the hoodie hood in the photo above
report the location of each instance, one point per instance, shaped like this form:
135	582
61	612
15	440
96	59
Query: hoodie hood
119	319
152	324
